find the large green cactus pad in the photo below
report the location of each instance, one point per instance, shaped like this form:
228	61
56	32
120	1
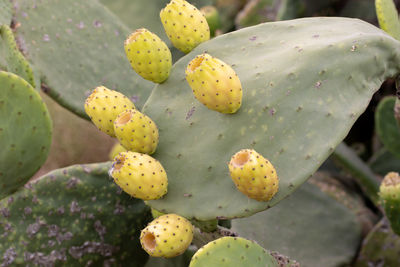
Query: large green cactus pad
308	216
77	46
232	252
386	125
72	217
5	12
25	132
305	82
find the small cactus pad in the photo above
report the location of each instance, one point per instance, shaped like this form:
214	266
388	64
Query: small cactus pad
253	175
103	106
72	217
184	25
214	83
5	12
232	252
388	17
25	132
308	216
15	61
136	131
139	175
78	46
389	193
149	55
387	127
302	93
167	236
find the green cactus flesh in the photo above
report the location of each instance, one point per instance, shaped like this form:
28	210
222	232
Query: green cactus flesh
308	216
302	92
5	12
72	217
386	125
380	248
232	252
77	47
15	61
25	132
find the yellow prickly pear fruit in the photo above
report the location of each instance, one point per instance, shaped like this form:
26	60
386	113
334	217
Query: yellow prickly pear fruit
149	55
253	175
214	83
139	175
136	131
104	105
167	236
184	25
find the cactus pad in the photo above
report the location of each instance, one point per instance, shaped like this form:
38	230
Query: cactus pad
386	125
388	17
232	252
302	92
15	61
78	46
71	217
25	132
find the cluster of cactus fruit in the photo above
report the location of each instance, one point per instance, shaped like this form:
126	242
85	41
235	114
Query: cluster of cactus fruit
224	122
214	83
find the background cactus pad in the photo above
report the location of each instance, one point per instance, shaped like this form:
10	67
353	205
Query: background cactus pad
25	132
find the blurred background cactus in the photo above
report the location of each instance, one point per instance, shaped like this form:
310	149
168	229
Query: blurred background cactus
320	101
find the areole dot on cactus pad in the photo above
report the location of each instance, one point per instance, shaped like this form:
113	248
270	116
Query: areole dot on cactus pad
136	131
253	175
214	83
139	175
167	236
149	56
103	106
184	25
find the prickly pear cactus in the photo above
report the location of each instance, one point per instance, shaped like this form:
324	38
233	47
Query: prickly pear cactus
15	61
72	217
386	126
5	12
78	47
25	132
307	217
232	251
302	92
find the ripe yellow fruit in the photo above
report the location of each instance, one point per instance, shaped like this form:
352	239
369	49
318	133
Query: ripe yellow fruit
139	175
214	83
184	25
103	106
136	131
167	236
253	175
149	56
